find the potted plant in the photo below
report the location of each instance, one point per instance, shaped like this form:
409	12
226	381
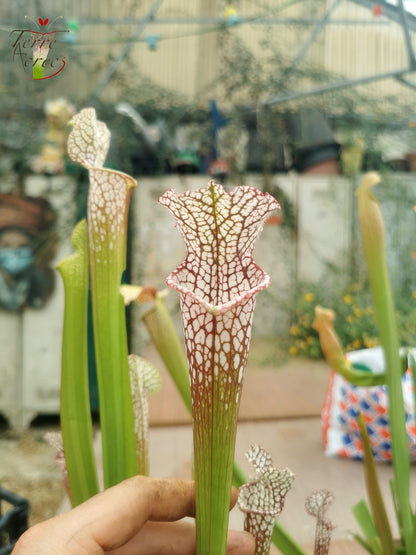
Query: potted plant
314	149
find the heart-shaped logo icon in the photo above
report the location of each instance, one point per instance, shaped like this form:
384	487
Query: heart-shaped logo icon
44	21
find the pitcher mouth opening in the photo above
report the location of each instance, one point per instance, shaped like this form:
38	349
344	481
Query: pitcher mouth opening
219	308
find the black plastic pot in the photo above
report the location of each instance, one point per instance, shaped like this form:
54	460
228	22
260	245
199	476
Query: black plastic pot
311	139
14	522
305	158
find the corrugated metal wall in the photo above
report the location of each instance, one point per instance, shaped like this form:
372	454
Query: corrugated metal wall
360	50
190	56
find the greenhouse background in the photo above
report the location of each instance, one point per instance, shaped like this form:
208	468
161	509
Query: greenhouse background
296	98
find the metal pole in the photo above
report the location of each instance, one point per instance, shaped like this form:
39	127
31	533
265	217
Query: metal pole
126	48
202	21
406	82
279	99
407	38
311	39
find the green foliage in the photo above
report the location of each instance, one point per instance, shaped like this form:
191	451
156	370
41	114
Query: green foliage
305	340
374	524
355	321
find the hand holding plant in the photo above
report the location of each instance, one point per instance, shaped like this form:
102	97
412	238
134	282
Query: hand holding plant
218	283
141	516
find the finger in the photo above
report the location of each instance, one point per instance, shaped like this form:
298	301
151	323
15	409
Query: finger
120	512
240	543
111	518
161	538
178	538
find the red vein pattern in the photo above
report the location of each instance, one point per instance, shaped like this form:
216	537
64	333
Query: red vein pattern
218	280
144	380
316	505
217	283
263	499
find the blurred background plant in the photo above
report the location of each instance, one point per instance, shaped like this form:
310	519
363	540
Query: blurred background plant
348	294
355	322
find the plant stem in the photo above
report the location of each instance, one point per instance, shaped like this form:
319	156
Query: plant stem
372	234
381	520
76	423
161	328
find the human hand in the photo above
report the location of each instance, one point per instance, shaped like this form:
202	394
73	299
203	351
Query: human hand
140	516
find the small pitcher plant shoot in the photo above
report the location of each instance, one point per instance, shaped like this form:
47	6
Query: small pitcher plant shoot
317	505
263	499
144	380
108	202
217	284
